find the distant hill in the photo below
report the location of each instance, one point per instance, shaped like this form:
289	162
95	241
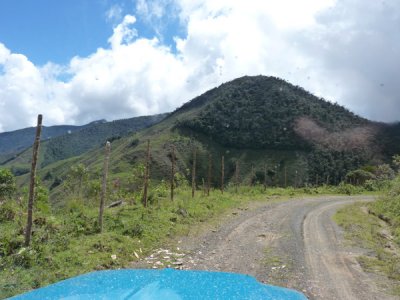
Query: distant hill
264	124
15	141
73	143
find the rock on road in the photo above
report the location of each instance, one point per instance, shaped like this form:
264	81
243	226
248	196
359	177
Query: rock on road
293	243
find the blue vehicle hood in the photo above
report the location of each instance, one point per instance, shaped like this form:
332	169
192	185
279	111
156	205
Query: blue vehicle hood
160	284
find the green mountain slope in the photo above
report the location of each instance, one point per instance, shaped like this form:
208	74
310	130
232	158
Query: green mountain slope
13	142
80	141
264	124
260	112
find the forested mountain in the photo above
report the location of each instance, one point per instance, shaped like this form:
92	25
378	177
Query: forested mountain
262	125
15	141
74	144
267	113
80	141
263	112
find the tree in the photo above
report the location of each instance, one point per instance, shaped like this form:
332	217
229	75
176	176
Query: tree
7	184
359	177
41	198
396	162
77	177
384	172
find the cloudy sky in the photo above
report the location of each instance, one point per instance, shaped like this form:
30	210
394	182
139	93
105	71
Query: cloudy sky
76	61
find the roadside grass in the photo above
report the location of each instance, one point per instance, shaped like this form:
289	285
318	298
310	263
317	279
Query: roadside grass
66	242
360	227
375	226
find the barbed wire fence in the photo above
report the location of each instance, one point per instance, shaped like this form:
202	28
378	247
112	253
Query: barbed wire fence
208	171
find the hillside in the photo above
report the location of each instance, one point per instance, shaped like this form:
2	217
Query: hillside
80	141
260	112
264	124
13	142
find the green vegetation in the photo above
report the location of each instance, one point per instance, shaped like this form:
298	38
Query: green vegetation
275	133
83	140
15	141
70	143
269	113
66	241
7	184
387	208
260	122
260	112
376	226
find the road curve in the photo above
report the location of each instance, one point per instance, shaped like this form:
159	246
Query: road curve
333	271
293	243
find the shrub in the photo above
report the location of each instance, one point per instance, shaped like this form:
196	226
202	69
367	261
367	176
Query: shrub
7	211
7	184
347	189
359	177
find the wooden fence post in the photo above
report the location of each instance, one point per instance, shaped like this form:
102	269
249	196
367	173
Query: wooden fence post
28	230
209	174
285	177
172	172
146	175
252	175
265	177
104	185
194	173
222	174
237	175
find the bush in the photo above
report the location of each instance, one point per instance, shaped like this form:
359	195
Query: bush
7	184
7	212
135	231
359	177
347	189
9	243
377	185
24	258
384	172
388	207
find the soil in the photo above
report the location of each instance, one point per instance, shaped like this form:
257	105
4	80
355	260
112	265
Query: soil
294	244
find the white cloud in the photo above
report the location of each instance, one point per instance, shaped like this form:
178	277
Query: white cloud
123	33
25	90
157	14
114	14
342	50
151	9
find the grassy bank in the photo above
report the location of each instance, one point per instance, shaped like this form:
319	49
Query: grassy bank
376	226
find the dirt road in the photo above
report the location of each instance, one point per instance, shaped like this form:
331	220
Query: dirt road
294	244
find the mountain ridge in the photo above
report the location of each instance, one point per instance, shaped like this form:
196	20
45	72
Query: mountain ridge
76	142
17	140
274	127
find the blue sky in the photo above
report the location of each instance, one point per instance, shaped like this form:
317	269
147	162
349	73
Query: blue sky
56	31
75	61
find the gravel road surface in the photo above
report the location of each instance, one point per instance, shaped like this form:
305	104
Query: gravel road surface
293	243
